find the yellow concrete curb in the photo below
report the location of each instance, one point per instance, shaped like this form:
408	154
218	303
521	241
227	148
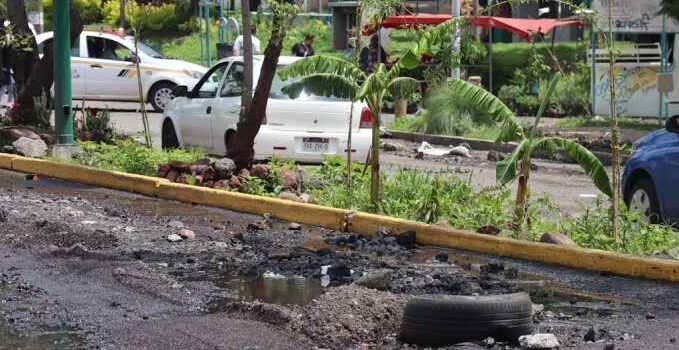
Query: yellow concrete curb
339	219
6	160
87	175
283	209
588	259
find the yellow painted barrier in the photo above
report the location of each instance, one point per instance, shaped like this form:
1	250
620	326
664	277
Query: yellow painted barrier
6	160
339	219
588	259
283	209
86	175
33	166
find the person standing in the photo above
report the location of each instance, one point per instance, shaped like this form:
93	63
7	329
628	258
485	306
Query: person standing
238	44
372	55
304	48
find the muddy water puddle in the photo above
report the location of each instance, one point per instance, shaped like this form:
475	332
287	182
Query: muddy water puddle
53	339
272	289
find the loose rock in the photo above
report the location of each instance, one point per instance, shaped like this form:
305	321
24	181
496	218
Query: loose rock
495	156
224	168
174	238
187	234
30	148
539	341
378	279
176	224
294	226
591	335
557	238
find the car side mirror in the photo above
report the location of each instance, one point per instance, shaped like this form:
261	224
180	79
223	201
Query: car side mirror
180	91
132	58
672	124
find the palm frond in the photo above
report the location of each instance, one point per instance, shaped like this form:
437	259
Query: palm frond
323	84
403	87
505	170
586	159
376	82
322	64
511	128
545	100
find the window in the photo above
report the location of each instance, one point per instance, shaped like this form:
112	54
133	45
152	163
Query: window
75	47
107	49
208	86
233	83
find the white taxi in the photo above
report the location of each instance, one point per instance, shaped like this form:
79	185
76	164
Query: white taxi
103	68
303	129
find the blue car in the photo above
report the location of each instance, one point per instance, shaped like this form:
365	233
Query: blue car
650	181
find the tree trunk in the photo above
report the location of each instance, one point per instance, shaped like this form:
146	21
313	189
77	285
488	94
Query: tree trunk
33	75
243	151
121	20
246	95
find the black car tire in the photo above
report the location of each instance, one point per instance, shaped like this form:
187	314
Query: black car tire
162	87
646	184
438	320
169	138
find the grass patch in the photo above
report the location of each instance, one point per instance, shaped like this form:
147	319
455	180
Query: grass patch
624	123
131	157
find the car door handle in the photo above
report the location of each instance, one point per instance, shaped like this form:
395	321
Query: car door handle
209	110
96	66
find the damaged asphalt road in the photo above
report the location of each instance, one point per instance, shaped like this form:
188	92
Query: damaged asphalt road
84	268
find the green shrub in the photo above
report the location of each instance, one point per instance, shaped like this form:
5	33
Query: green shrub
143	16
508	57
131	157
572	95
90	11
591	229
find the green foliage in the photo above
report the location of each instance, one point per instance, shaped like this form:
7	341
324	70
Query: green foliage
591	227
572	95
94	124
416	195
508	57
131	157
624	123
43	110
484	100
90	11
670	8
143	16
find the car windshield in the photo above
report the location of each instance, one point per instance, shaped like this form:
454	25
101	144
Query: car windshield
277	90
148	50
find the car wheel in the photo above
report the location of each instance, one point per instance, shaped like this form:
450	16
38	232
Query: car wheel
438	320
169	138
642	199
160	95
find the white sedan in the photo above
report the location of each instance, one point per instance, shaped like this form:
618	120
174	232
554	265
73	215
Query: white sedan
103	68
303	129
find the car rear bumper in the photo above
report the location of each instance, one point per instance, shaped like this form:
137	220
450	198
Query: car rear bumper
291	145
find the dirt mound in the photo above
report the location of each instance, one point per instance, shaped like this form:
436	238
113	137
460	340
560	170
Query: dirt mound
350	315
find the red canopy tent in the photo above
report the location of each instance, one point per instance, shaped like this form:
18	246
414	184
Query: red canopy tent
524	27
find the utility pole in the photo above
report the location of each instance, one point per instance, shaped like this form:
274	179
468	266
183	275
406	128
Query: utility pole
455	72
62	72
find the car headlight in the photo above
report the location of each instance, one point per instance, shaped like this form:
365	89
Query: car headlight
193	73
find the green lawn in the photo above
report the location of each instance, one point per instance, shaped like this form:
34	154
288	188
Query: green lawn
625	123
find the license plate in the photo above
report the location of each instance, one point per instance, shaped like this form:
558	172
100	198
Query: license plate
315	144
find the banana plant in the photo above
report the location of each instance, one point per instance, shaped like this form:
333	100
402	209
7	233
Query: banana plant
517	164
330	76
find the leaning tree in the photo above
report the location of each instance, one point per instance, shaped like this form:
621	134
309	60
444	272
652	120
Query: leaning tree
33	75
